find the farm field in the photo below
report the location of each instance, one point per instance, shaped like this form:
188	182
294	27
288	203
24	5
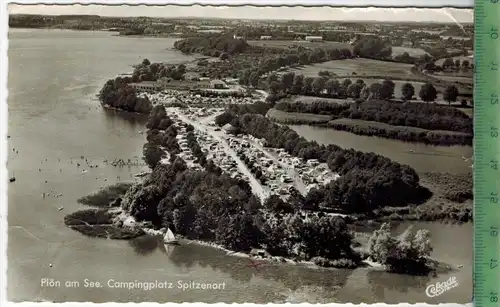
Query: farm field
360	67
454	78
288	44
413	52
297	118
310	99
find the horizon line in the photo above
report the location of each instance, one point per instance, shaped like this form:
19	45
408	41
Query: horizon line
234	18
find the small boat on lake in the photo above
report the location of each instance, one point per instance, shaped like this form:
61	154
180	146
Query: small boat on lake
169	238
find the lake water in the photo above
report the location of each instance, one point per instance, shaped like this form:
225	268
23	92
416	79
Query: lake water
422	157
53	76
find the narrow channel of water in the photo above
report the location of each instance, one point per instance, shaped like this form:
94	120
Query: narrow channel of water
422	157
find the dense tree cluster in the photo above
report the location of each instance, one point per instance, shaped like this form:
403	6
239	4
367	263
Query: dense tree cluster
251	76
368	180
328	87
307	238
212	45
408	253
118	94
198	153
147	71
211	206
420	115
405	58
373	48
161	133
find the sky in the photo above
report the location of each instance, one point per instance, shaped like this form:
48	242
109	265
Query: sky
249	12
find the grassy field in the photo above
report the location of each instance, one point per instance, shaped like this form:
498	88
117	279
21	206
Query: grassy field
297	118
294	44
310	99
413	52
360	67
454	78
468	111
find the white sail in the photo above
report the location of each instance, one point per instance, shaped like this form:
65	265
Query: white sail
169	237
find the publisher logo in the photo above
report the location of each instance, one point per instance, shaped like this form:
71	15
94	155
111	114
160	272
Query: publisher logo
440	287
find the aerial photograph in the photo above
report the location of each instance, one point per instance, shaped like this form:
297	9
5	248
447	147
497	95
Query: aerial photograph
239	154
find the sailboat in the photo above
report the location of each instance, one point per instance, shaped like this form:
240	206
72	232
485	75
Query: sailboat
169	238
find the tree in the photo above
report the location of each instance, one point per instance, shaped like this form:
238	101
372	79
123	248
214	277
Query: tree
239	233
298	84
428	92
254	78
318	85
457	63
274	87
354	90
272	78
332	86
275	204
372	47
381	243
346	83
224	56
465	64
287	81
365	93
152	154
448	62
386	90
327	237
146	62
450	94
407	91
244	77
307	88
360	82
375	90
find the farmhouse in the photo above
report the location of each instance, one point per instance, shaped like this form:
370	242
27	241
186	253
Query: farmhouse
218	84
314	38
146	86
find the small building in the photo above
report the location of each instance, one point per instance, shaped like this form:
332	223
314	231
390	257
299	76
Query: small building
218	84
266	37
146	86
314	38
